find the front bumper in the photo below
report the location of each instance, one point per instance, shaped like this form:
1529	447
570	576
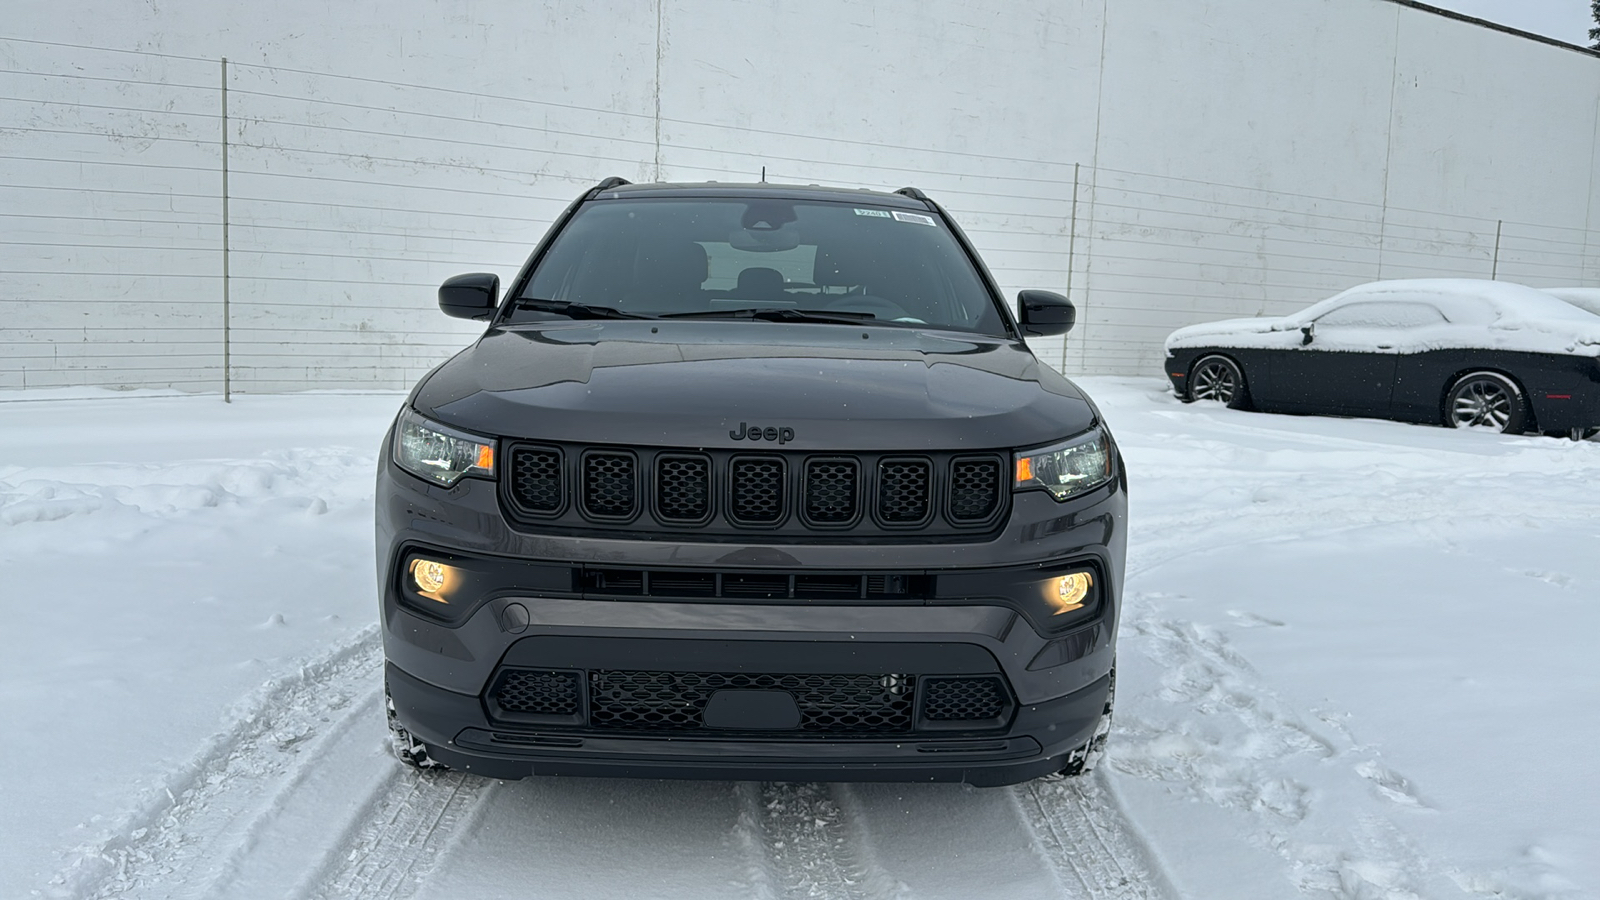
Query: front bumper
459	734
441	673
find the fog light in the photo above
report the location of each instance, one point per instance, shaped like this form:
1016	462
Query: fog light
431	578
1069	592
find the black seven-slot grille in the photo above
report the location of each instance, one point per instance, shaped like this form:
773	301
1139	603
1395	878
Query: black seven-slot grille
727	492
830	705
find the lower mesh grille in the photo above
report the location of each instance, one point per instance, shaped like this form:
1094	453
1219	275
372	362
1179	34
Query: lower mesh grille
963	699
830	705
537	692
674	701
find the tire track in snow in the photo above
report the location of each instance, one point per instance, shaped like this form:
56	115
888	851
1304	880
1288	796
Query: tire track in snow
1085	837
189	832
811	843
397	840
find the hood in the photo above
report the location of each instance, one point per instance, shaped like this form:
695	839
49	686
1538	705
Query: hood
702	384
1200	335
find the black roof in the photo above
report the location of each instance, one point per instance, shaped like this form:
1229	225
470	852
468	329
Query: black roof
759	189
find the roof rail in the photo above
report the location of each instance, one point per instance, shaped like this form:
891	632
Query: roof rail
609	183
914	194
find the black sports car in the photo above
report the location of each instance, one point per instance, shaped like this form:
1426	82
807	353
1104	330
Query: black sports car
1459	352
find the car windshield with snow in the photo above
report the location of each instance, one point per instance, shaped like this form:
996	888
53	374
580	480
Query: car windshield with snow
1456	352
751	481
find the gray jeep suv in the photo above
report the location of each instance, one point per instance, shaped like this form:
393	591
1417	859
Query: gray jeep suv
751	482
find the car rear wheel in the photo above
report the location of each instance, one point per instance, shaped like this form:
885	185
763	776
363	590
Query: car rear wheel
1082	761
1218	378
406	747
1486	400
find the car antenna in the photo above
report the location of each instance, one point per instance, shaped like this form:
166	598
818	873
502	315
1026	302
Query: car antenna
763	174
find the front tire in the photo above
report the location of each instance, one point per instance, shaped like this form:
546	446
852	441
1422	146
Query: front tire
1218	378
1082	761
1486	400
404	744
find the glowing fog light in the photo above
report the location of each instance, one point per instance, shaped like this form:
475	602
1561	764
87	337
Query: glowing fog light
431	578
1069	592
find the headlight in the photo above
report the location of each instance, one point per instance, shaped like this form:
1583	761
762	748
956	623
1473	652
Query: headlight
440	454
1068	468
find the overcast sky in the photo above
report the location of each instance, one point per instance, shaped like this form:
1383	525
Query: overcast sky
1565	20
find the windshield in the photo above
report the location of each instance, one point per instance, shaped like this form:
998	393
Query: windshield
663	257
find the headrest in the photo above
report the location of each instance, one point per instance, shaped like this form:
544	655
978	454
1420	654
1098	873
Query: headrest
760	282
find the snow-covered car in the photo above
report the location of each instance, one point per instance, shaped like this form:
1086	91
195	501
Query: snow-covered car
1457	352
753	482
1586	299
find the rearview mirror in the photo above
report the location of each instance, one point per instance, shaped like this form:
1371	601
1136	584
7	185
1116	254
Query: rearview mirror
473	296
1044	313
1306	332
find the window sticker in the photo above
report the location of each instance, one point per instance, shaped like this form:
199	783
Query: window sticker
915	218
880	213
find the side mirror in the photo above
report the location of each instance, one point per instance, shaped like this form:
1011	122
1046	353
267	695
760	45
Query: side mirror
1045	313
1306	332
472	296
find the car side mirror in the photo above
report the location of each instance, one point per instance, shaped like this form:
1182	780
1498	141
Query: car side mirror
1306	332
473	296
1044	313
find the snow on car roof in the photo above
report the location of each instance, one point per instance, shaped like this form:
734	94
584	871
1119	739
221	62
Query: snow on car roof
1586	299
1462	300
1489	315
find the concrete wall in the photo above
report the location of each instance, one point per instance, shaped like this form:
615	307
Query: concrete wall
1163	163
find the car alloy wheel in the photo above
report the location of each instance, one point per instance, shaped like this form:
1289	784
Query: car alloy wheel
1485	400
1218	379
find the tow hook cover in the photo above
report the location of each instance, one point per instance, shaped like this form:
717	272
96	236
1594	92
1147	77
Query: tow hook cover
746	710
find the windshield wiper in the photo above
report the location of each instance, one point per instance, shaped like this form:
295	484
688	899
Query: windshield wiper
778	314
577	310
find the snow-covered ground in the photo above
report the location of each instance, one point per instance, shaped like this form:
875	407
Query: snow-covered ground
1357	662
